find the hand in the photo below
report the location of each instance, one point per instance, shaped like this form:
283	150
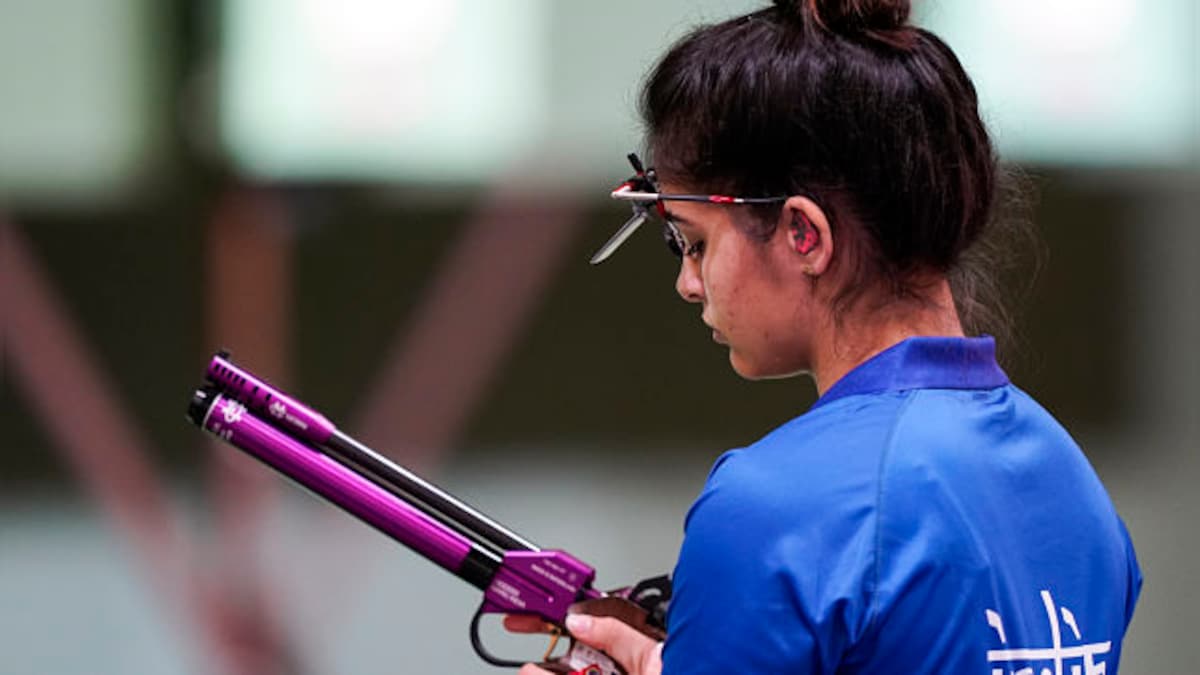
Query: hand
637	654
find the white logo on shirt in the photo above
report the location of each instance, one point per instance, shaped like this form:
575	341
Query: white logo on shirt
1054	655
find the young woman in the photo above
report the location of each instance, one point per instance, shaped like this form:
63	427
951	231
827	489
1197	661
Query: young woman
822	170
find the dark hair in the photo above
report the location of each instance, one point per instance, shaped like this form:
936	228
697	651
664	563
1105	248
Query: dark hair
846	102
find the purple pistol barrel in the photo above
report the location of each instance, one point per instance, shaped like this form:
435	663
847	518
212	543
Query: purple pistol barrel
233	422
270	402
539	582
298	420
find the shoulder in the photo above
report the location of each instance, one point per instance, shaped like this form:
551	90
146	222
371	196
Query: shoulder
962	442
891	440
809	457
804	495
785	529
811	464
969	476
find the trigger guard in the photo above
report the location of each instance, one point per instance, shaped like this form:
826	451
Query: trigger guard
481	651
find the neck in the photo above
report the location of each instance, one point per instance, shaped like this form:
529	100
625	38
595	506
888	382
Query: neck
872	327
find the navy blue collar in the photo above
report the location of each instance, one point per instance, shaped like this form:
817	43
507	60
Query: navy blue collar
923	363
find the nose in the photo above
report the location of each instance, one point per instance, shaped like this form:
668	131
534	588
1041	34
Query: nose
688	283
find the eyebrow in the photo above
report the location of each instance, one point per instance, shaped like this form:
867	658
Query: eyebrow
681	220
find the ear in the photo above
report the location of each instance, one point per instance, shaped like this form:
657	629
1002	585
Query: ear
808	233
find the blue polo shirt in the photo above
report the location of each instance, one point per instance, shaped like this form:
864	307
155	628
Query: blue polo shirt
925	516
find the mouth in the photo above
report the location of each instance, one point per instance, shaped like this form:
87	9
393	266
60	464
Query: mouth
717	336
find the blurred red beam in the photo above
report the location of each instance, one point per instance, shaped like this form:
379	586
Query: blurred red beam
484	293
80	411
248	284
471	316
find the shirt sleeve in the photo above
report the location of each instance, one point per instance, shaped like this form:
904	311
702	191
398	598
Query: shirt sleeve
767	582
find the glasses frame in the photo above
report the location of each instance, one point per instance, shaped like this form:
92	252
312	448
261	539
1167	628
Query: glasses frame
641	191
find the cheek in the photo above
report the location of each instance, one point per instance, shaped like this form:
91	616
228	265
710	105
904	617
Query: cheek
754	311
725	288
768	328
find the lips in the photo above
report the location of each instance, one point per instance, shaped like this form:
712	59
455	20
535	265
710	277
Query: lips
717	336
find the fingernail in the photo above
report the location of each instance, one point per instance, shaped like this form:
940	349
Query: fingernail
579	623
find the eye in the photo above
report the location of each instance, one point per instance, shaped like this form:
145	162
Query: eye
695	250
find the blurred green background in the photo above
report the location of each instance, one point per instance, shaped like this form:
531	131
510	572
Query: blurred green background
388	206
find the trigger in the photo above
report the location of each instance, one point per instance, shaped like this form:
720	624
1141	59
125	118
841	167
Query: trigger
554	637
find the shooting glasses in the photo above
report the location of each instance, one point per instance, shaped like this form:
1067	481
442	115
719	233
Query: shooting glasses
642	192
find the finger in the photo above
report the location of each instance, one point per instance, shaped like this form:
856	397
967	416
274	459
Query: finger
634	651
530	669
524	623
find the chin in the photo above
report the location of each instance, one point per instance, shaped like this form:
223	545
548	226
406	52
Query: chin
749	369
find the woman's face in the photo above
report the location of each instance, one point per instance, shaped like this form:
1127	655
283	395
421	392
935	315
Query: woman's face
754	295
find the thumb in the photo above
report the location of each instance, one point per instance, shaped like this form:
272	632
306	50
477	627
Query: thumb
637	653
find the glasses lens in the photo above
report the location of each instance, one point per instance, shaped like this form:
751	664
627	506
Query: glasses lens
674	238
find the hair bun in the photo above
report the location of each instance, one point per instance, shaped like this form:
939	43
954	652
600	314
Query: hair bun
851	16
